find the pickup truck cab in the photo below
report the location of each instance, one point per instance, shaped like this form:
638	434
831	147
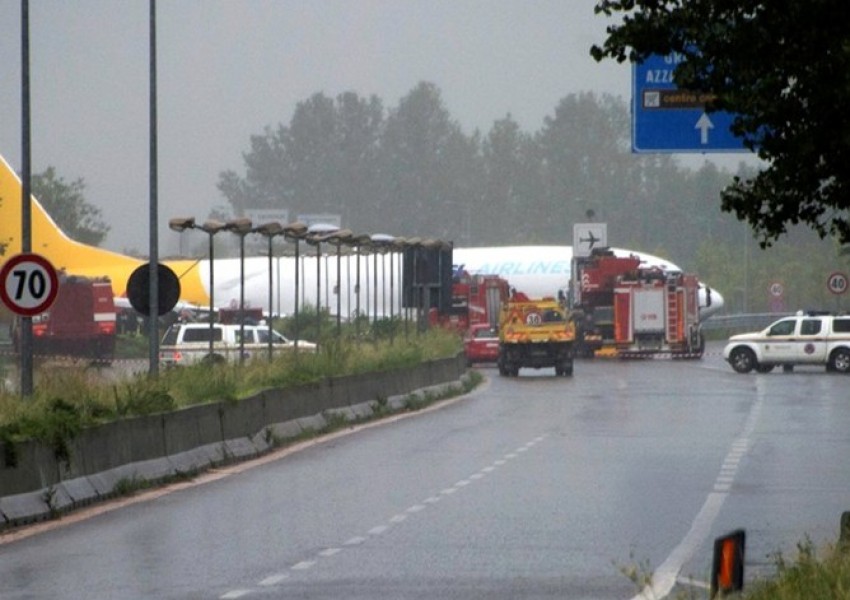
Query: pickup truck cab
802	339
189	343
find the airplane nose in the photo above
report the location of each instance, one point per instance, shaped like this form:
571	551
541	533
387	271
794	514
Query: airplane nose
710	301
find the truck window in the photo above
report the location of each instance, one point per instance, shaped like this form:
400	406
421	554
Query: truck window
201	334
841	325
783	328
810	327
249	336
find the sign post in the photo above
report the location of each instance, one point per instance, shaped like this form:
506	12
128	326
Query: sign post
668	119
29	284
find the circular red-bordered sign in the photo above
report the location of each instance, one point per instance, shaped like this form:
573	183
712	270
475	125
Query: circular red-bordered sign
837	283
29	284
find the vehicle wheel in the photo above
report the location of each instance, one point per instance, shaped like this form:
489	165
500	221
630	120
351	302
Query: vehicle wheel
839	361
567	368
764	368
742	360
787	368
514	371
558	371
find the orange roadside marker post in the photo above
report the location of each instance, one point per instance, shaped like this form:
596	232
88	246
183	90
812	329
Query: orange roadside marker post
727	571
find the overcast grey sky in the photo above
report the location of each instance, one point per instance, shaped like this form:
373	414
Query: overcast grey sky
228	69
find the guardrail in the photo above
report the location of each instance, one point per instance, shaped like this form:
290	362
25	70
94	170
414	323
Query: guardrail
741	322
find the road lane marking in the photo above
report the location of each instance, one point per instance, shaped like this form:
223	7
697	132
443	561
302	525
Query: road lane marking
274	580
378	530
355	541
666	575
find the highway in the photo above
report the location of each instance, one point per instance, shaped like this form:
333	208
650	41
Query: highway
530	487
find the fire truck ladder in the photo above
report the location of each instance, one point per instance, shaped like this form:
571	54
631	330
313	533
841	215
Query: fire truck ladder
672	311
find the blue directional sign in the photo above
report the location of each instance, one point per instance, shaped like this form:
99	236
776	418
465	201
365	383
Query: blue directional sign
667	119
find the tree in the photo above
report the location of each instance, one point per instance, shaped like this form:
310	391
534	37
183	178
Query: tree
783	68
422	148
67	205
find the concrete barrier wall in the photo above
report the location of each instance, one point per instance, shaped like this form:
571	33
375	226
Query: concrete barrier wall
194	436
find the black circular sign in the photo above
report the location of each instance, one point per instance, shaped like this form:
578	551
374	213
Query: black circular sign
139	284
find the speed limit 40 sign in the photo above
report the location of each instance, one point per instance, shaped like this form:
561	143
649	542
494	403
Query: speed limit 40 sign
29	284
837	283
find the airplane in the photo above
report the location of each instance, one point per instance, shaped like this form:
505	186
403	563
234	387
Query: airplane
535	270
590	238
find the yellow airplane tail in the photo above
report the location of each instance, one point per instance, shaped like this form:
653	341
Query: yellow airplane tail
50	241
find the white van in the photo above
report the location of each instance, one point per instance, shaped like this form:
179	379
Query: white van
189	343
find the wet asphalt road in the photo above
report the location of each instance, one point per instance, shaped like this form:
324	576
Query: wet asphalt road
530	487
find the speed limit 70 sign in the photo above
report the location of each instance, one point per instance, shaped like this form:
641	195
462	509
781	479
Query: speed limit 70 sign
29	284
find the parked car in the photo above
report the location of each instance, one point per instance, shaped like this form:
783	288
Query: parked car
189	343
802	339
481	344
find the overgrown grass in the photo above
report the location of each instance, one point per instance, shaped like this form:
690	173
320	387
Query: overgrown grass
70	398
810	575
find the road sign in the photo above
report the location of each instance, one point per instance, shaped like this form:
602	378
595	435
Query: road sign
29	284
837	283
776	289
667	119
588	236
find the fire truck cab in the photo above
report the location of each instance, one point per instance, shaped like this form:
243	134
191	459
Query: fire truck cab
631	310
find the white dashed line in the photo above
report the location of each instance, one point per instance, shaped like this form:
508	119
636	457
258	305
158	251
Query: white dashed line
666	575
274	580
355	541
304	565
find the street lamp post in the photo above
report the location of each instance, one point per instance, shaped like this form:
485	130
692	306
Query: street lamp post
360	241
211	227
296	231
318	233
339	238
268	231
241	227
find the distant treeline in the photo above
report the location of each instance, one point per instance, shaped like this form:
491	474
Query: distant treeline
411	170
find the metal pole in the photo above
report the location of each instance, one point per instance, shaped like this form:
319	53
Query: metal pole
26	209
318	291
338	289
153	322
357	295
297	285
241	297
212	294
271	286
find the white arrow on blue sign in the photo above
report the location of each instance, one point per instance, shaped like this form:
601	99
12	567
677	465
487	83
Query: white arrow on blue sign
667	119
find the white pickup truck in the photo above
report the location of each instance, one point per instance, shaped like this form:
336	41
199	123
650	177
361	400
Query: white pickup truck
189	343
802	339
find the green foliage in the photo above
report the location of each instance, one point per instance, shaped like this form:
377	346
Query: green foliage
69	399
783	68
809	576
143	396
66	203
505	187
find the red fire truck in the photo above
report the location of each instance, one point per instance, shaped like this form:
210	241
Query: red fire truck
630	310
475	299
79	323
